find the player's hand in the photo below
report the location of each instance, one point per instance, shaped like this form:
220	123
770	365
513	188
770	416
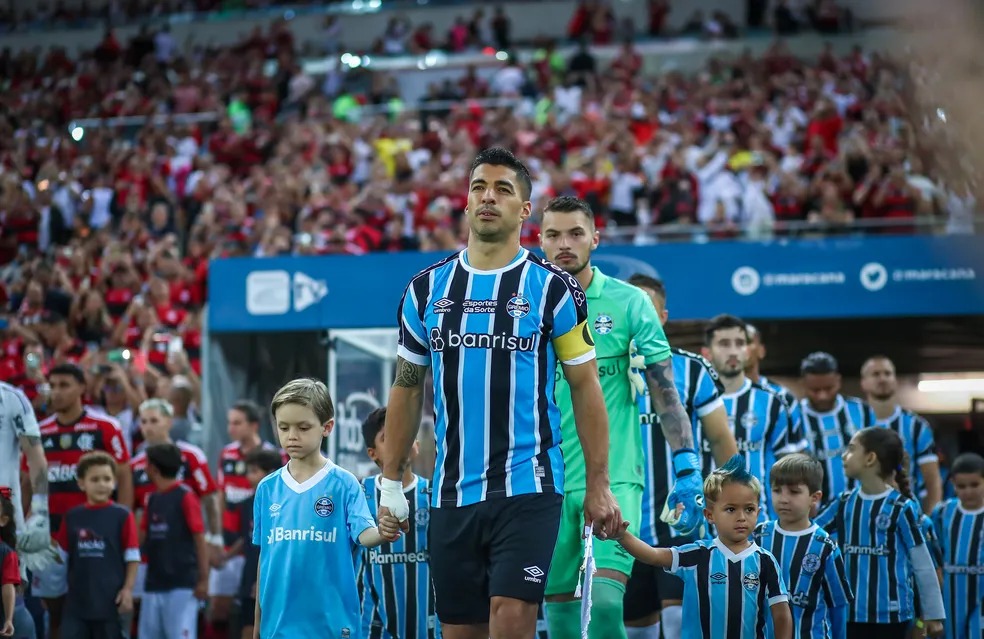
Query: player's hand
8	629
389	527
637	372
602	512
684	510
37	533
124	601
934	628
392	502
201	590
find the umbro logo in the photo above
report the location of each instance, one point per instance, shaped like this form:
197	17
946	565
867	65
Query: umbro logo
719	578
443	305
274	510
535	574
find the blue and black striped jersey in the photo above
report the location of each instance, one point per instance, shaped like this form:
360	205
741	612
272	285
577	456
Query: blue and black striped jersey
920	445
396	589
700	391
727	594
961	538
814	573
828	435
493	339
763	432
876	533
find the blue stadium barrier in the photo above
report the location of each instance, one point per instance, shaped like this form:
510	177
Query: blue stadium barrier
795	279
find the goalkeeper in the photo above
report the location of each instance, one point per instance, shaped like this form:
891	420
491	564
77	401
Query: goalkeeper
618	315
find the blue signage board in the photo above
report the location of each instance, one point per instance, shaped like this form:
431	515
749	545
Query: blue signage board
794	279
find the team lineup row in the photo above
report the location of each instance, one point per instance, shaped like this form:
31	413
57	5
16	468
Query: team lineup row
532	444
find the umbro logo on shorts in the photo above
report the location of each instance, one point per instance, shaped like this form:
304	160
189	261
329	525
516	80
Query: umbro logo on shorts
534	574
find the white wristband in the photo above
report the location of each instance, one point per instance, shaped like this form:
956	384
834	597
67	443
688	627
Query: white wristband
391	497
390	485
214	539
39	504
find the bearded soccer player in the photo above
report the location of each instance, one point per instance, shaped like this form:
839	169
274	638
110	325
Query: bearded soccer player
881	387
830	420
760	420
619	315
654	597
66	436
492	321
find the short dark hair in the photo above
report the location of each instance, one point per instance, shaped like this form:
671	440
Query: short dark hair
797	468
722	322
969	463
69	370
266	459
166	458
819	363
250	409
498	156
373	423
569	204
93	459
648	281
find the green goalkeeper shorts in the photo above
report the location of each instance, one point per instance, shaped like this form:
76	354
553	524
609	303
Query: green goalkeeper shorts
569	551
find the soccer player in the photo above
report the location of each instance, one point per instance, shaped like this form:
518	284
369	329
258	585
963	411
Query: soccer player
174	545
260	462
812	564
959	525
732	586
756	353
877	526
830	420
310	519
19	431
881	387
100	538
227	573
759	418
620	318
69	433
492	321
654	597
397	596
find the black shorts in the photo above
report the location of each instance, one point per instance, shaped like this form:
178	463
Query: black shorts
496	548
649	586
247	611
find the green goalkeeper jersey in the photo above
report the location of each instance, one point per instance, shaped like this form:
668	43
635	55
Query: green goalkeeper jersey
618	314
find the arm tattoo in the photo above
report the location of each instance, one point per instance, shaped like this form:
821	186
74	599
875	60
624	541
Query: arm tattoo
39	476
666	401
408	374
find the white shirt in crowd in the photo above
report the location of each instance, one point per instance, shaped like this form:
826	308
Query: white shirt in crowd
622	195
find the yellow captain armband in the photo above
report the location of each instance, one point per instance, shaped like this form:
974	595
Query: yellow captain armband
575	346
